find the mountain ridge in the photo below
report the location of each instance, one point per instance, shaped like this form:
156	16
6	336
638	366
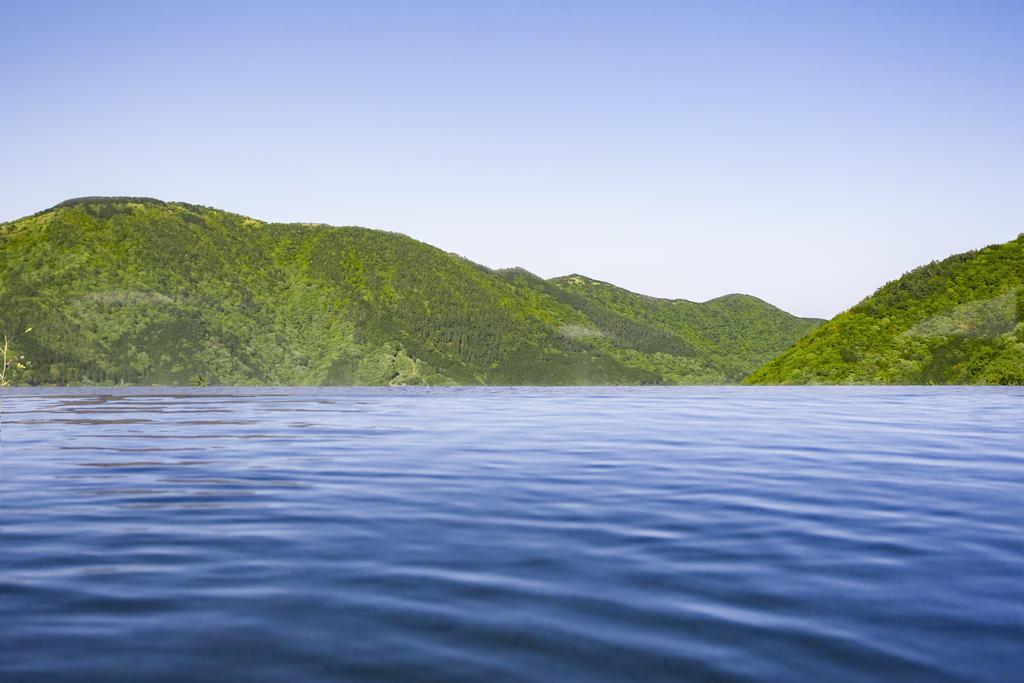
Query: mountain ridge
75	201
138	290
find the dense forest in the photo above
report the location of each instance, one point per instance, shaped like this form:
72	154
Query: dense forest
956	321
126	290
719	341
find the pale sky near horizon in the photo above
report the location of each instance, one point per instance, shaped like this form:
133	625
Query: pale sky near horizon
802	152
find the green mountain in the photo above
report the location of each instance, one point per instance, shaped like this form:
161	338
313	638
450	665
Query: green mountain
140	291
719	341
957	321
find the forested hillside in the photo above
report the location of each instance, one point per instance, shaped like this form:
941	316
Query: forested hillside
140	291
957	321
719	341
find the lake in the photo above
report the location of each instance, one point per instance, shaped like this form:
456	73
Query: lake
497	534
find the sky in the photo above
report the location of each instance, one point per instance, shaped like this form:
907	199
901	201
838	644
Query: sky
802	152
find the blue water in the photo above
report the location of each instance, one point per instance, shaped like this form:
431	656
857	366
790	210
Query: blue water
512	534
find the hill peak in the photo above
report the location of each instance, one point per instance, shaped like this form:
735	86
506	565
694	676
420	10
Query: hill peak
100	199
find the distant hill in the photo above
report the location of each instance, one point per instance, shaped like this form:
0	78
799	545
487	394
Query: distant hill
719	341
957	321
140	291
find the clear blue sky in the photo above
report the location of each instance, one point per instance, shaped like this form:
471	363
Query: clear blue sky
804	152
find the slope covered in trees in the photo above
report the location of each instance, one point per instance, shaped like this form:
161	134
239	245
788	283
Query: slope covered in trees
956	321
719	341
140	291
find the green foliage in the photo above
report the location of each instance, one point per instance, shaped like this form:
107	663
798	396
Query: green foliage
720	341
956	321
12	361
137	291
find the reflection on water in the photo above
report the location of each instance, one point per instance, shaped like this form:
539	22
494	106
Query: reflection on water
512	534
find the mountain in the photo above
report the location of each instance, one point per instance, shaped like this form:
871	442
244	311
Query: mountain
141	291
719	341
957	321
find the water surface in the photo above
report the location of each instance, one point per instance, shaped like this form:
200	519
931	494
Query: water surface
512	534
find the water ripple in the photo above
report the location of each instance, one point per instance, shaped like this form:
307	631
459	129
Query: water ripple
593	534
